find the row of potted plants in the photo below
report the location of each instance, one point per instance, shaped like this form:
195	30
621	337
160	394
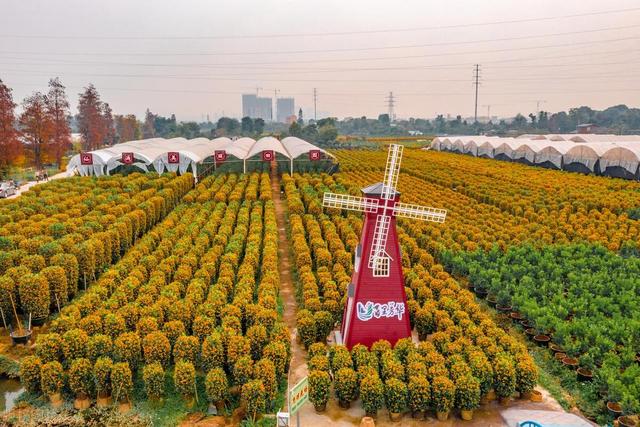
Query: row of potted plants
200	288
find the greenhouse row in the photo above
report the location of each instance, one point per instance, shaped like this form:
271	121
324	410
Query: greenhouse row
610	155
200	156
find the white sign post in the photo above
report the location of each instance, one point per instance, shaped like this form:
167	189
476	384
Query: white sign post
298	396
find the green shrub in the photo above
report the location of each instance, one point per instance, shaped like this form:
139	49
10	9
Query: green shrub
258	338
467	392
319	388
156	348
121	382
49	347
419	393
265	371
317	349
146	325
81	378
184	378
324	325
277	353
51	378
482	370
114	325
30	373
253	395
395	395
526	374
57	279
319	363
443	393
102	374
216	385
203	326
307	330
346	384
173	330
380	347
153	377
341	359
371	393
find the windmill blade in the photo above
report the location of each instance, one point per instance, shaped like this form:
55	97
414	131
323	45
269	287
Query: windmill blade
406	210
391	171
379	244
352	203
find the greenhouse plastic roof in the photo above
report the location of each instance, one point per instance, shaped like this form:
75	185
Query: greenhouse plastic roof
155	151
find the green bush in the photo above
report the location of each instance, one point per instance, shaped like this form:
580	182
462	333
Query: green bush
153	377
173	330
443	393
57	279
307	330
277	353
395	395
74	344
121	382
184	378
258	338
186	348
253	396
34	295
526	374
265	370
341	359
30	372
346	384
324	325
102	374
319	363
212	354
317	349
467	392
216	385
146	325
156	348
419	393
371	393
99	345
51	378
319	388
81	378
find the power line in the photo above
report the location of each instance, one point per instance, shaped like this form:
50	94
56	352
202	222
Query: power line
376	48
390	105
323	34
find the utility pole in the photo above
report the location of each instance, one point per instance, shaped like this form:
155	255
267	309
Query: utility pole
538	102
476	82
258	91
315	104
274	111
390	105
488	112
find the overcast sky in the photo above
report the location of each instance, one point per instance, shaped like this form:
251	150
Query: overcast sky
195	57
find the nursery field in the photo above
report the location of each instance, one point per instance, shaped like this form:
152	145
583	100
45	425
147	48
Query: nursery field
167	296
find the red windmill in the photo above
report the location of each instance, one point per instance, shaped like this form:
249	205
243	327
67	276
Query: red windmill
376	301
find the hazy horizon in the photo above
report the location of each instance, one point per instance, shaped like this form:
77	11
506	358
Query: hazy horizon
197	57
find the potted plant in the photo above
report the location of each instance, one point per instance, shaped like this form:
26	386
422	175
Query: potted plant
372	394
81	382
467	395
184	379
626	421
216	386
443	393
504	377
419	396
153	377
615	409
346	386
526	376
102	375
252	396
121	385
395	396
51	377
30	373
319	389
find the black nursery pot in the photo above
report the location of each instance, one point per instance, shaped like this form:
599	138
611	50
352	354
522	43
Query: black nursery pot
20	337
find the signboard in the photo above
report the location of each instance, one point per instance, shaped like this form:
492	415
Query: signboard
267	155
127	158
298	395
86	158
220	156
314	155
173	157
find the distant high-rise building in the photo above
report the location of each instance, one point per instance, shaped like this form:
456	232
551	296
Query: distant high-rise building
257	108
285	107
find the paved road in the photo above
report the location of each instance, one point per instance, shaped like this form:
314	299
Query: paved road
30	184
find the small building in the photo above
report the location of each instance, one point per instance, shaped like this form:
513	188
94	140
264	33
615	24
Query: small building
587	128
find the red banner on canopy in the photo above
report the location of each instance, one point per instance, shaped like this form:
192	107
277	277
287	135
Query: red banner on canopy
173	157
267	155
86	158
314	154
220	156
127	158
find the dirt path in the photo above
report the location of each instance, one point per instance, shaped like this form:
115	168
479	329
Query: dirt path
298	365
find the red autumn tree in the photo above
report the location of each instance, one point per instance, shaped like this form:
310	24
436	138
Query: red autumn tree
37	126
90	119
127	128
10	146
58	108
109	125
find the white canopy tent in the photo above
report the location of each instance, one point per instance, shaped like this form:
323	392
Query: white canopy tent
187	154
